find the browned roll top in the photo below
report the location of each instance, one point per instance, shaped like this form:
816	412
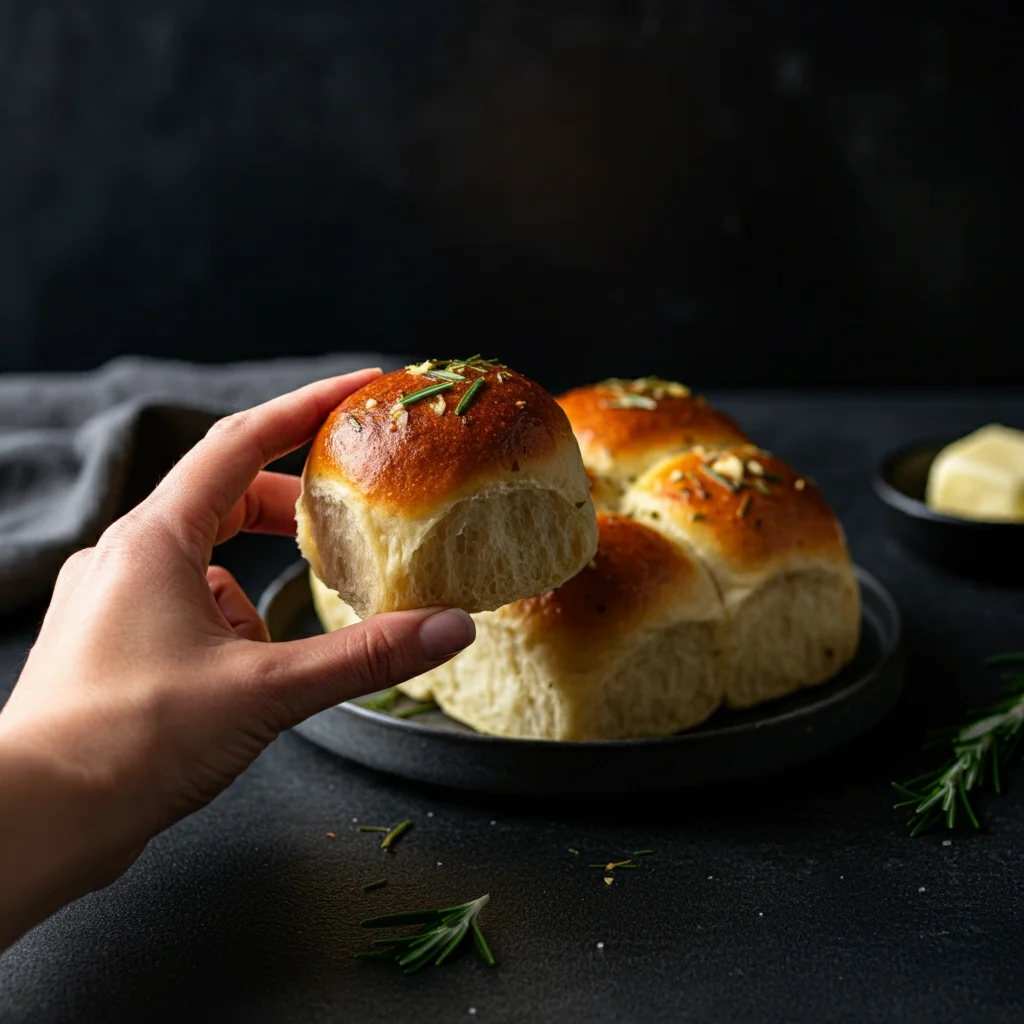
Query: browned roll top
409	458
751	505
628	418
634	571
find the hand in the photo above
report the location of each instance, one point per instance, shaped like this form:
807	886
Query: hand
151	686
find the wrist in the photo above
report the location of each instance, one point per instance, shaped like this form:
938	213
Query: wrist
58	843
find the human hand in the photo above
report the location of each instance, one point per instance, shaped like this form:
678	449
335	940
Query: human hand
151	686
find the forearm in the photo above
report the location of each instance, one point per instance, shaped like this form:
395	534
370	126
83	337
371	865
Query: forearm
55	841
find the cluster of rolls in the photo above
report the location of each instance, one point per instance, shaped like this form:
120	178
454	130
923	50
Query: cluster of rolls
695	571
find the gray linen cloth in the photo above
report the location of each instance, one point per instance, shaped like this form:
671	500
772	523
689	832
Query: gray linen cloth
77	450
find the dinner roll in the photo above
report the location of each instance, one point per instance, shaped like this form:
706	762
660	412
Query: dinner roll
448	483
630	647
334	613
777	555
624	426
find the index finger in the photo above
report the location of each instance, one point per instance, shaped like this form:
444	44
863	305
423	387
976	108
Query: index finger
212	477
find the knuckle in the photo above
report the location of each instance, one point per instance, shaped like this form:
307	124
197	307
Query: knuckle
383	658
229	426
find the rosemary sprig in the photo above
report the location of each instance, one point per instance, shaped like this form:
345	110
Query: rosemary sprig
375	885
468	396
441	933
980	748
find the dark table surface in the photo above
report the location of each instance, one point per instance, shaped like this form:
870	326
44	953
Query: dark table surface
798	898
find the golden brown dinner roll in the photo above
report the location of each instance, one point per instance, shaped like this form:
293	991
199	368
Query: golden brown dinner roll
624	426
778	556
630	647
448	483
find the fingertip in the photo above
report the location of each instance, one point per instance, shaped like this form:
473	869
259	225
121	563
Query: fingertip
445	633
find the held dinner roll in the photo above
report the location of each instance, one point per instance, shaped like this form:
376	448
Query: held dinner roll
625	426
777	555
448	483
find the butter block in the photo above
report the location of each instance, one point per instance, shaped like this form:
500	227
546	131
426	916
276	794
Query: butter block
981	476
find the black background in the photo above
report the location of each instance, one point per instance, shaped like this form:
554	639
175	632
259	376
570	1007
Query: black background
738	192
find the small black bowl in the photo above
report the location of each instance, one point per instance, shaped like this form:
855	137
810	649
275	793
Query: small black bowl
992	551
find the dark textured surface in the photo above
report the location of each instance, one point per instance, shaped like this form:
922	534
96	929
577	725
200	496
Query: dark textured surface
228	180
795	900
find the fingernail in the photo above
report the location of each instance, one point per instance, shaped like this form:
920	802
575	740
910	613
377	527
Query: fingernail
446	633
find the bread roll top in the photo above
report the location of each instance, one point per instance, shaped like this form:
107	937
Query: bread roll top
408	452
624	426
741	509
638	578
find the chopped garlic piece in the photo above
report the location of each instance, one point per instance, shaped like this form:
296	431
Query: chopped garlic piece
981	476
438	405
419	369
755	468
371	403
729	466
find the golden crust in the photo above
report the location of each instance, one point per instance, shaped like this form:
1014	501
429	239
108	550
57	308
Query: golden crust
408	459
635	572
762	516
608	430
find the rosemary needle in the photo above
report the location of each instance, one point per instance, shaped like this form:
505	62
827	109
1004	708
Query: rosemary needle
642	853
372	828
383	701
389	840
427	392
468	396
375	885
414	709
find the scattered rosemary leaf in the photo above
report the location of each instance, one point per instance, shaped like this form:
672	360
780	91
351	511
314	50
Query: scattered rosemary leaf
427	392
642	853
372	828
571	850
445	375
383	701
744	506
719	479
356	425
697	517
773	478
415	709
375	885
389	840
762	488
468	396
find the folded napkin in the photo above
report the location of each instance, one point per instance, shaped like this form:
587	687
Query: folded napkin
78	450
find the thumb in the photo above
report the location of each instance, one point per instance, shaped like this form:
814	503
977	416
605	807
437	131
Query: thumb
308	676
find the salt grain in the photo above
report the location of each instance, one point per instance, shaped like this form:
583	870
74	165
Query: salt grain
921	889
472	1011
494	823
430	814
947	842
600	945
439	864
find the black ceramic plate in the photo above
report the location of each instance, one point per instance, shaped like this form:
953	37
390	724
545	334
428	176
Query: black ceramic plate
732	744
985	550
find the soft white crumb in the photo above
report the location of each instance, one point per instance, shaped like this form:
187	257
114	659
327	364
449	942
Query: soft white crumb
947	842
430	814
600	945
710	877
439	864
472	1011
494	823
760	913
921	889
354	820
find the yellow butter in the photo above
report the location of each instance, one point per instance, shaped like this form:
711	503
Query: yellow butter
980	476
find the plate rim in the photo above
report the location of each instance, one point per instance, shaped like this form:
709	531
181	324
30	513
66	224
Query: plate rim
891	648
